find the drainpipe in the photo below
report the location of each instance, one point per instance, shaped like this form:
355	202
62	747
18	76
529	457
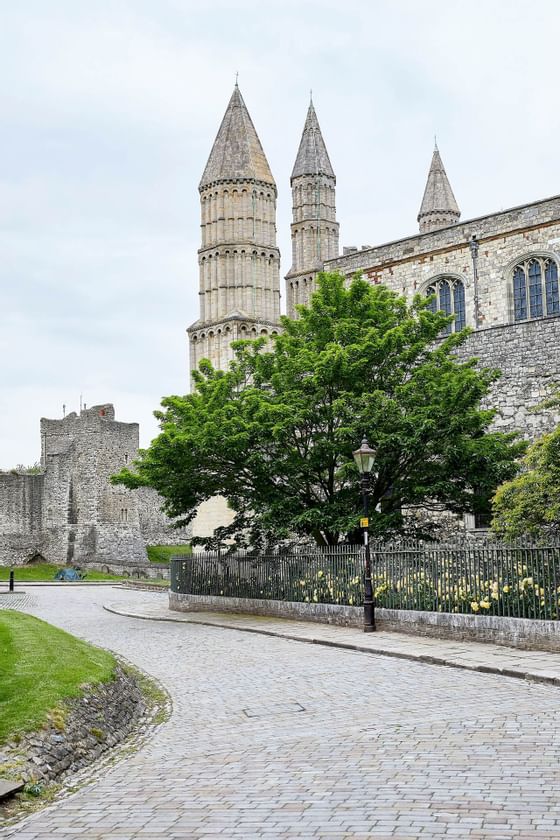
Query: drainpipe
473	244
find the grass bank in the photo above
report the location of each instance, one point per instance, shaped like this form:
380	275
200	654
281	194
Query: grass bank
46	571
41	665
163	553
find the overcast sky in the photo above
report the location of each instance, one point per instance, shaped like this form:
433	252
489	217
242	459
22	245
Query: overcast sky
109	110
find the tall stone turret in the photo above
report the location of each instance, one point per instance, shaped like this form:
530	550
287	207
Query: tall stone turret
439	208
239	263
314	225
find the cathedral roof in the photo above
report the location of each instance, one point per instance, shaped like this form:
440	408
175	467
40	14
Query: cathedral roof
312	157
237	152
438	195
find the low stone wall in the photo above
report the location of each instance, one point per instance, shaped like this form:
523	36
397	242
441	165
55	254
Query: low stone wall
88	727
523	633
129	570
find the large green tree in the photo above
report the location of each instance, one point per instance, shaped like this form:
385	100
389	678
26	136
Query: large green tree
529	504
275	433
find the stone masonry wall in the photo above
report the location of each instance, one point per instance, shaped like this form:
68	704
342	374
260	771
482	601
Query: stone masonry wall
528	354
94	723
72	513
409	265
21	497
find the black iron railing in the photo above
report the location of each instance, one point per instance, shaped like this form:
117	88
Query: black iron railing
486	578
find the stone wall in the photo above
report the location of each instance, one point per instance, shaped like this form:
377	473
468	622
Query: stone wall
528	355
155	526
21	504
93	723
525	633
409	265
71	513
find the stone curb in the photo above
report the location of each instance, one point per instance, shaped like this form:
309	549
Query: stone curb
414	657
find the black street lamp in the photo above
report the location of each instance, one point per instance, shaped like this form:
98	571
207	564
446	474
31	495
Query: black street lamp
364	458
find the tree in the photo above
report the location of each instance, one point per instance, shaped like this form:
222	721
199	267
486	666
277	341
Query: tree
530	503
275	433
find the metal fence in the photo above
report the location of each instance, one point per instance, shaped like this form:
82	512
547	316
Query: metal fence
487	578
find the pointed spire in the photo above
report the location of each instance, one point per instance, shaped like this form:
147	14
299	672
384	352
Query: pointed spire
439	207
237	152
312	157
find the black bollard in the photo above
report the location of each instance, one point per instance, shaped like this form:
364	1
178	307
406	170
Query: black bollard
11	580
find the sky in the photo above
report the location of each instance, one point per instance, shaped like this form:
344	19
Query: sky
109	111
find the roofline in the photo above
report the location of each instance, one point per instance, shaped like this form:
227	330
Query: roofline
456	226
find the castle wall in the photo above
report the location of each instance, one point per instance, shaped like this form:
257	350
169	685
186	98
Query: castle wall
72	513
155	526
21	497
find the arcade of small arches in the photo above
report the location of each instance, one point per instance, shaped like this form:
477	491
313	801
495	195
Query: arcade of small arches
244	328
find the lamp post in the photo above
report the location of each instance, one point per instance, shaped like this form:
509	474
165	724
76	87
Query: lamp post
364	458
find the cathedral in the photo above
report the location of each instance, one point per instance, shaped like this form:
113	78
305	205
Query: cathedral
497	274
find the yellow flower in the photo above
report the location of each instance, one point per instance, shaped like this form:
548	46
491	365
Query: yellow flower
506	589
320	573
485	604
495	595
474	606
541	591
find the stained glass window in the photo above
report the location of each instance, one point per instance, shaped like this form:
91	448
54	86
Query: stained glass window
459	306
533	298
535	289
552	295
449	298
519	294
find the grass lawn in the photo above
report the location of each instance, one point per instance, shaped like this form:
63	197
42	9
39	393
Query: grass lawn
46	571
162	553
40	665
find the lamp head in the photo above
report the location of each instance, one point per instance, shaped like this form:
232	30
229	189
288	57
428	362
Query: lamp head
364	458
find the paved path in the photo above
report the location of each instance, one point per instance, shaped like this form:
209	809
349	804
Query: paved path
472	656
271	738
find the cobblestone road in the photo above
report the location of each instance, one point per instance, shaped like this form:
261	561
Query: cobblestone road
277	739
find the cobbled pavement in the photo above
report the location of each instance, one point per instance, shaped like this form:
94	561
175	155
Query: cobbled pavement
271	738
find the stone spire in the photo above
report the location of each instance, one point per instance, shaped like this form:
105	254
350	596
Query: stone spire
312	157
237	152
314	225
439	208
239	263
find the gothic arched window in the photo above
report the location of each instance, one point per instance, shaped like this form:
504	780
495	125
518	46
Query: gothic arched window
535	288
449	298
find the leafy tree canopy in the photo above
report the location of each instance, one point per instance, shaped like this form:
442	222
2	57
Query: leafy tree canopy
530	503
275	433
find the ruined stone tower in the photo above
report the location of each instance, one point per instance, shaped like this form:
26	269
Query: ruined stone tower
314	225
439	208
239	263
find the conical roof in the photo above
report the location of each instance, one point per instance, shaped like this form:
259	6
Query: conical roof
237	152
438	195
312	157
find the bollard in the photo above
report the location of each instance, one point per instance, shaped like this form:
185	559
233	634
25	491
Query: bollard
11	580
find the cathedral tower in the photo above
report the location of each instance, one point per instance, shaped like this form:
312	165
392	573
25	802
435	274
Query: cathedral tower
314	225
239	263
439	208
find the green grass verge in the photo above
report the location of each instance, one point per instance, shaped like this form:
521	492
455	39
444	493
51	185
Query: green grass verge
162	553
47	571
41	665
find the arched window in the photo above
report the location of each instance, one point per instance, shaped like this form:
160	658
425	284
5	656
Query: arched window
449	298
535	288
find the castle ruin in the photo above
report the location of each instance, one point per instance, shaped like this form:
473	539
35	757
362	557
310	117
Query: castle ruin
69	512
